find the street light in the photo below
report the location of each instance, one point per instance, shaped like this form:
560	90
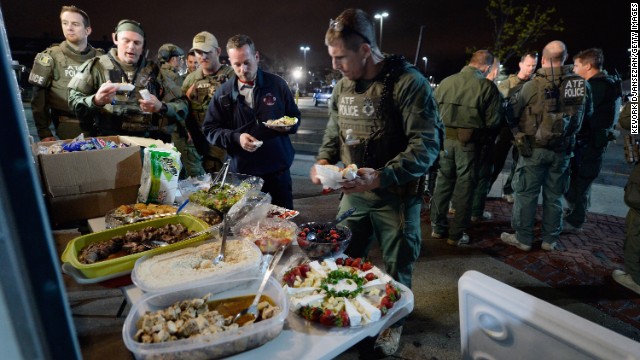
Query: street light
381	17
305	48
425	63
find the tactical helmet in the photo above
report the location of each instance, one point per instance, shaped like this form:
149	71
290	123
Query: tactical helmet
167	51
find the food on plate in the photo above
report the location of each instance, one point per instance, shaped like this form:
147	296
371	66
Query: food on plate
282	213
283	121
196	263
123	86
349	172
133	242
270	233
342	293
127	214
220	198
198	317
329	241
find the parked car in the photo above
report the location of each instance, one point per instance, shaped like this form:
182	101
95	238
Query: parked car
322	95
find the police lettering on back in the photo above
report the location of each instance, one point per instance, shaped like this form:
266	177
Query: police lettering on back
574	89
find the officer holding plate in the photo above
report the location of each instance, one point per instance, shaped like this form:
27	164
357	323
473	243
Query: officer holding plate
122	93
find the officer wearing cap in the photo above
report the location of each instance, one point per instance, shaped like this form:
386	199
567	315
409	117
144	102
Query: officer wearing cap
106	92
171	60
53	69
198	156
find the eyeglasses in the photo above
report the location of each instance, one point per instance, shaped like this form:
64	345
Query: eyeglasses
338	26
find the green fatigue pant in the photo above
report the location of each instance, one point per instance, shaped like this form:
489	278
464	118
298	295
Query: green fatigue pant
191	160
394	221
484	167
548	170
631	246
585	167
455	183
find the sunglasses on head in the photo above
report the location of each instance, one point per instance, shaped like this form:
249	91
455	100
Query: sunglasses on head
338	26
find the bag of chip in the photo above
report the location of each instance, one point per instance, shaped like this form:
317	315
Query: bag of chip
160	171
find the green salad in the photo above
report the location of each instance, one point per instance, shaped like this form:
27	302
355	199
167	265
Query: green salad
220	198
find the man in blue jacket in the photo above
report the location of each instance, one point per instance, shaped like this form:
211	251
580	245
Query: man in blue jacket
236	121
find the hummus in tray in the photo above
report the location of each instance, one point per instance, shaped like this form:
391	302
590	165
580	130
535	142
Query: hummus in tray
194	264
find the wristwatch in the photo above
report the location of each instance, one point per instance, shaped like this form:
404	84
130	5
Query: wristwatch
163	109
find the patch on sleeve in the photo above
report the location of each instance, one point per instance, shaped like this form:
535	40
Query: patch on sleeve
44	59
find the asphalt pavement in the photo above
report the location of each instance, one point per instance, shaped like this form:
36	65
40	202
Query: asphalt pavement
580	285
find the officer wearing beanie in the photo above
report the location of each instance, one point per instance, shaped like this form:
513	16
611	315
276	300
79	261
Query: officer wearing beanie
53	69
198	156
106	92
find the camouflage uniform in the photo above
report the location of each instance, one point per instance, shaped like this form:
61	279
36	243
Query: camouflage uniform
198	156
52	70
402	143
123	116
547	167
468	104
592	142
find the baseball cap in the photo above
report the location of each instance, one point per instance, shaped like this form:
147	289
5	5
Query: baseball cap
204	41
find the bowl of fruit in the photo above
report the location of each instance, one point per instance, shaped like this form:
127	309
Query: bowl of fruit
320	241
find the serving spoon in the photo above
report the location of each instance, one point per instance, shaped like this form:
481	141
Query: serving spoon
251	313
311	236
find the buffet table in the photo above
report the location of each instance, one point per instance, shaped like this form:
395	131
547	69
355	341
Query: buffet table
300	338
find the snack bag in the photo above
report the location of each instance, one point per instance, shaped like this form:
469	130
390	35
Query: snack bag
160	171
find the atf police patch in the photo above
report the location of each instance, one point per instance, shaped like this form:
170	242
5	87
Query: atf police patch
573	91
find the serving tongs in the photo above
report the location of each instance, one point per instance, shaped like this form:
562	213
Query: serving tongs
216	181
222	173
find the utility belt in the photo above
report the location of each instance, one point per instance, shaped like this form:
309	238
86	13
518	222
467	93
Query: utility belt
413	188
460	134
68	119
467	135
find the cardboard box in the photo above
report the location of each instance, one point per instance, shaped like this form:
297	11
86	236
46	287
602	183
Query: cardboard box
86	184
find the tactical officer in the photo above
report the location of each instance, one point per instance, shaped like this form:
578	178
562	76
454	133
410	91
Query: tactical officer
547	116
485	162
509	89
172	64
470	106
107	92
388	106
630	277
594	135
198	156
53	69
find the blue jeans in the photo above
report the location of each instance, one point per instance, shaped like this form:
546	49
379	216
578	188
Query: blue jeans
547	170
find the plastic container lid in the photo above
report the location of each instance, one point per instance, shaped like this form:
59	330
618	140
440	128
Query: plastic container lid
207	346
185	267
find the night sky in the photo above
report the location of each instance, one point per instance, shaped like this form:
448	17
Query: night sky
279	28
